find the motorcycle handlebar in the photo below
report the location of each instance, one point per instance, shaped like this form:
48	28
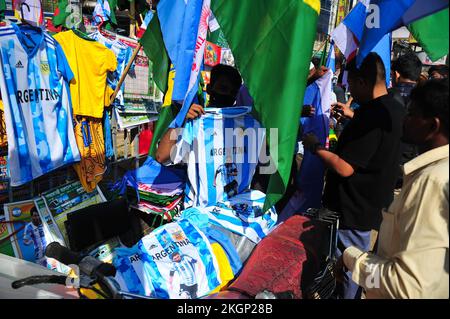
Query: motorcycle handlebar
35	280
64	255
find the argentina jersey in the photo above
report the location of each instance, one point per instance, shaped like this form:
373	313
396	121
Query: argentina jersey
34	82
175	261
36	235
242	214
221	150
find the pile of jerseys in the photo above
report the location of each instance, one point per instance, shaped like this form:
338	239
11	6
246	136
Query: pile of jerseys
242	214
177	261
164	200
155	189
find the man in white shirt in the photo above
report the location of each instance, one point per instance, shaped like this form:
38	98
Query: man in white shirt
412	260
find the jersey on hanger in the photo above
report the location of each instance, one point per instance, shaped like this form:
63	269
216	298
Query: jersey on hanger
34	81
221	150
90	61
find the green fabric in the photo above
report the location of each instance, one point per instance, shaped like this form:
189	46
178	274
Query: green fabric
432	34
113	6
60	19
323	59
154	48
166	116
2	9
217	37
272	43
156	199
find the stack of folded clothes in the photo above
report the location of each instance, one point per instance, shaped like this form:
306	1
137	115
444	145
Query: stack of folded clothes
156	191
162	200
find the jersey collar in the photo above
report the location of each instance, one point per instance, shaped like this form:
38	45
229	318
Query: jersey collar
20	36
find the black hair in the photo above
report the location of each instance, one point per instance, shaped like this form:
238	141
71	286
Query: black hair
228	72
372	69
432	100
409	66
442	69
33	210
175	253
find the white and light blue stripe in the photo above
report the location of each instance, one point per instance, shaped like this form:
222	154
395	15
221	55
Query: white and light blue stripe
204	135
40	131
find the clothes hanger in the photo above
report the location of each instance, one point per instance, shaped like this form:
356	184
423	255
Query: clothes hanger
26	23
104	32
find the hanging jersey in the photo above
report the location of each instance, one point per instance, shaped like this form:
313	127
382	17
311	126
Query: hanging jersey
91	144
242	214
123	54
103	10
90	61
178	260
34	82
35	235
221	150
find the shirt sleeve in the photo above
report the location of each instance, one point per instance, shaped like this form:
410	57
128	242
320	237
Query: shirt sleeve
110	61
421	229
63	64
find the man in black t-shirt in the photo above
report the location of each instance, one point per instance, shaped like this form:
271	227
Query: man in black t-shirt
363	170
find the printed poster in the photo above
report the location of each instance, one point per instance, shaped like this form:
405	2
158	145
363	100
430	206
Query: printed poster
27	234
6	247
213	54
67	199
129	120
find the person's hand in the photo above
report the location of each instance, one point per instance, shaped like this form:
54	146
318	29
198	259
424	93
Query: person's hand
315	74
308	111
194	112
339	270
309	141
321	71
343	108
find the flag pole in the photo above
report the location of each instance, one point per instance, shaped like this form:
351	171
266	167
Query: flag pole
125	72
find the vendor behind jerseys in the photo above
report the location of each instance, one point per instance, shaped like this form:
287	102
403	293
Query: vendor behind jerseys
220	144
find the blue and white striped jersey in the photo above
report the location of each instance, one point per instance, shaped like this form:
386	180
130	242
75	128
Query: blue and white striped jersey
34	82
222	150
185	268
35	235
242	214
172	256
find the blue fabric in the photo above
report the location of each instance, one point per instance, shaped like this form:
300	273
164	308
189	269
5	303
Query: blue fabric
201	220
310	176
392	15
109	149
331	60
153	173
355	21
347	238
179	25
218	237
